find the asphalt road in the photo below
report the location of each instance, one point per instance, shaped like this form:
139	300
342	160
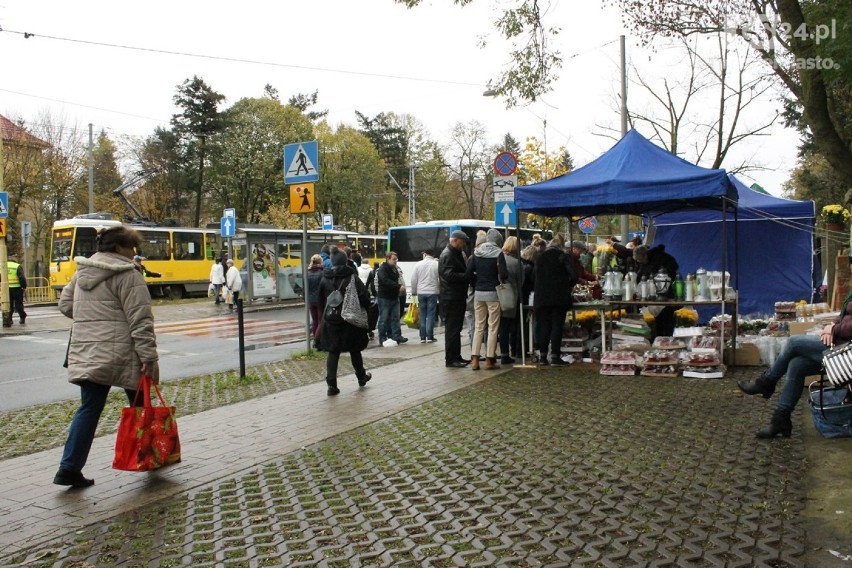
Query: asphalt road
192	338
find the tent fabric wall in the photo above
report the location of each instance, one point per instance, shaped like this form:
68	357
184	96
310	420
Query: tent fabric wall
775	260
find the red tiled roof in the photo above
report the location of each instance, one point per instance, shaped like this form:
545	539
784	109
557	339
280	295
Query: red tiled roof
15	135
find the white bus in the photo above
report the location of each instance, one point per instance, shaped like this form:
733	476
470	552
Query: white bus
410	241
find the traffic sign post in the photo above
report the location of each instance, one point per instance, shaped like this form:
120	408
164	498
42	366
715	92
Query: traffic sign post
5	306
228	227
505	164
301	162
505	214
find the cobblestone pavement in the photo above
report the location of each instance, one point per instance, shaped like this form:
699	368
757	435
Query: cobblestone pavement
553	467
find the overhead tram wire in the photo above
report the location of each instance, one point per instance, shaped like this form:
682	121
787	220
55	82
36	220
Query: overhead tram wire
29	35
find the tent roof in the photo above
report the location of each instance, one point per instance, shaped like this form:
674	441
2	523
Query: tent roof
752	205
634	177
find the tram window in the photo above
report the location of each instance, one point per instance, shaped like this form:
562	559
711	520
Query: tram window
290	250
155	245
85	244
188	246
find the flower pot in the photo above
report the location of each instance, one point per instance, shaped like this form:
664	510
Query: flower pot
835	226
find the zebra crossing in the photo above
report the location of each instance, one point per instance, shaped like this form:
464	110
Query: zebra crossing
257	334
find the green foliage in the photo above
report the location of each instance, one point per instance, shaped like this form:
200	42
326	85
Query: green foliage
246	162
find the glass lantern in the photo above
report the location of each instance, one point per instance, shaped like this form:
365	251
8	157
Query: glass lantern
662	284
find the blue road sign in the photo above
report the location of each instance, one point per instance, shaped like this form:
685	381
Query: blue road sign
327	222
588	224
505	164
505	214
4	204
228	226
301	162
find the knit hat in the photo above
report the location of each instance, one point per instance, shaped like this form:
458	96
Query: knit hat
580	245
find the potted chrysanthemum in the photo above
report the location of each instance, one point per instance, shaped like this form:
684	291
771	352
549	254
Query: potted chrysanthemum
835	216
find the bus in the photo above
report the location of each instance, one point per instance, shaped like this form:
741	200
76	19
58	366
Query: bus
410	241
183	256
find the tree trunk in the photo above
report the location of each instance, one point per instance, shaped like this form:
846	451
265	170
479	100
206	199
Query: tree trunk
814	97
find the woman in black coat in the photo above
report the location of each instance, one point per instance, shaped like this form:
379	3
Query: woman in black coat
338	337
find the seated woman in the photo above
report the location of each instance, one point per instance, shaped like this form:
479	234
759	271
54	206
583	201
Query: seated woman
801	356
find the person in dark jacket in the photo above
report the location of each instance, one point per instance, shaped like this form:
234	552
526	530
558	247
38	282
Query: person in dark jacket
314	280
528	257
648	264
338	337
452	269
554	281
387	294
801	356
483	271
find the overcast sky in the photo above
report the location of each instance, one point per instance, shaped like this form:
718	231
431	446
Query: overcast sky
367	55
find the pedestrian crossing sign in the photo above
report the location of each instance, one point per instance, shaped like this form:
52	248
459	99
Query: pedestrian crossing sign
302	198
301	161
4	204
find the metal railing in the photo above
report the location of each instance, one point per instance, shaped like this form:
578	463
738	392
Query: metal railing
41	293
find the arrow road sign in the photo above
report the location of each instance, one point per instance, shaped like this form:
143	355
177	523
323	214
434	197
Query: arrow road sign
228	226
504	214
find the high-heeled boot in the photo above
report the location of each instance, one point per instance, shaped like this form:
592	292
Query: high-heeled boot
474	362
779	424
761	386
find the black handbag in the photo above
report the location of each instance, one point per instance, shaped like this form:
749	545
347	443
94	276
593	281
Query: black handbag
838	364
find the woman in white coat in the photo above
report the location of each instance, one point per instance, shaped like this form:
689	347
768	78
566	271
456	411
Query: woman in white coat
112	340
217	278
234	282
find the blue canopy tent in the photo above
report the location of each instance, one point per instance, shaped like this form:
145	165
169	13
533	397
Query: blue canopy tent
633	177
775	246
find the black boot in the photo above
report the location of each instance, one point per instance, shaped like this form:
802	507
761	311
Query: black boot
761	386
73	478
363	378
780	424
332	387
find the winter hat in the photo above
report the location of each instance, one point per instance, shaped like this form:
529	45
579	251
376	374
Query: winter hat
580	245
494	236
338	258
460	235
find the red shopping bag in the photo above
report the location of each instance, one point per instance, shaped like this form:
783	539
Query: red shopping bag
147	435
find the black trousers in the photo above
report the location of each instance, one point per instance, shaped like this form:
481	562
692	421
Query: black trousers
334	359
453	323
16	299
551	320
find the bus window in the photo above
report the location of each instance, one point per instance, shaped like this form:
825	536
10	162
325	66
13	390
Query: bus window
188	246
367	247
409	245
155	245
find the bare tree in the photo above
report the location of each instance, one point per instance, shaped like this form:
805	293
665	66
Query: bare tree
711	108
469	157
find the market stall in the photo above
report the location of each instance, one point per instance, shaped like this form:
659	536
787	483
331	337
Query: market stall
637	177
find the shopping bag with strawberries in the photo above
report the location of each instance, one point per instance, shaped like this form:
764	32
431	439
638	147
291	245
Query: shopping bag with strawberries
147	435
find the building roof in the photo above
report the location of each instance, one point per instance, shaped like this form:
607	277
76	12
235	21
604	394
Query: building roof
15	135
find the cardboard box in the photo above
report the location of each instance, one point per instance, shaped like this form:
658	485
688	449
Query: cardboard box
802	327
747	356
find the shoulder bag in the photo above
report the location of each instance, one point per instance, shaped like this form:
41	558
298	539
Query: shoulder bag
508	299
838	364
353	313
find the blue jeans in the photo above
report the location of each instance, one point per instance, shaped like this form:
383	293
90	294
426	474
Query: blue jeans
428	312
801	356
389	319
81	433
216	289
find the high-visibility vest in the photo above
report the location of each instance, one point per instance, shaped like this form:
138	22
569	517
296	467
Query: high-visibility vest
12	268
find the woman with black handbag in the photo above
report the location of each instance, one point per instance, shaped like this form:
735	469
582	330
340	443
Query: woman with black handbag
801	356
339	335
